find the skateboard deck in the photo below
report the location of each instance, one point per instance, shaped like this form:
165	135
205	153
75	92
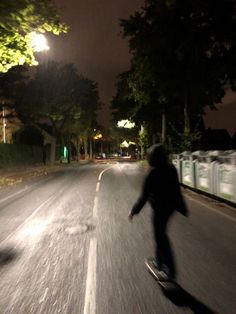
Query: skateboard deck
167	284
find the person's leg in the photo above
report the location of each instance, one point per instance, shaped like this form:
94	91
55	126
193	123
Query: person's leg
158	255
164	255
168	263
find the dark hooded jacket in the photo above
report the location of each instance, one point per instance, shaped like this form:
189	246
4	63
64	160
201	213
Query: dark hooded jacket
161	186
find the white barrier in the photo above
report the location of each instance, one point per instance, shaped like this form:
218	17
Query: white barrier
211	172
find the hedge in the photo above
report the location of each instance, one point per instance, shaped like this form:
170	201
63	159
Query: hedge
19	154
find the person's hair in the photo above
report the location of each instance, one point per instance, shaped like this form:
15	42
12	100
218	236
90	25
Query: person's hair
156	155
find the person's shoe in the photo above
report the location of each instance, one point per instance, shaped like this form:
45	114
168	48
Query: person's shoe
155	264
165	269
162	276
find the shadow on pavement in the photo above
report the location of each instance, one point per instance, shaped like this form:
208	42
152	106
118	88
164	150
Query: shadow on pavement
7	255
182	298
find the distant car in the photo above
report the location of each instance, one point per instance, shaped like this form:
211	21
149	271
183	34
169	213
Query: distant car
99	156
126	157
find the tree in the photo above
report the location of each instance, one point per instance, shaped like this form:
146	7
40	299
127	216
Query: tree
89	106
119	134
10	80
134	100
18	20
60	98
29	135
183	50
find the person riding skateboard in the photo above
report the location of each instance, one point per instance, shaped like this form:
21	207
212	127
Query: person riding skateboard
161	189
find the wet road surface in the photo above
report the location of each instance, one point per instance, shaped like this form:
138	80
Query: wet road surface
66	246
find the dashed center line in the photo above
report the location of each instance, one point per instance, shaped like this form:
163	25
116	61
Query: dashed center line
95	207
91	280
97	186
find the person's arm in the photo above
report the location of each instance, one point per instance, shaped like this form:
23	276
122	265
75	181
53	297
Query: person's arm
142	198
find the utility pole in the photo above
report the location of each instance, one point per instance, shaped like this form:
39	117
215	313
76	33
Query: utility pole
142	144
3	124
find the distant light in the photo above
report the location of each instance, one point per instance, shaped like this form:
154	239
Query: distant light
132	143
125	124
39	42
97	136
124	144
65	151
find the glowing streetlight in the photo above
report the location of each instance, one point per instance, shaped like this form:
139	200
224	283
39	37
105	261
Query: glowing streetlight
124	144
97	136
39	42
125	124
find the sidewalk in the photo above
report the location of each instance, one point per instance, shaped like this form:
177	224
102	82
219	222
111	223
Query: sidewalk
14	175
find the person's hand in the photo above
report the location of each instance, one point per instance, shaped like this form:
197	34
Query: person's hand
130	217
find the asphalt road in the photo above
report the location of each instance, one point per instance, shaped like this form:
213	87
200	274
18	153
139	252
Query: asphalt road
66	246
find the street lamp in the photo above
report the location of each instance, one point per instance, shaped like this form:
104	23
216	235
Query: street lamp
39	42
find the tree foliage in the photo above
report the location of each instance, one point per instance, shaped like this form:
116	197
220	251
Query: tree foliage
29	135
10	80
183	55
60	101
140	104
18	19
59	97
123	103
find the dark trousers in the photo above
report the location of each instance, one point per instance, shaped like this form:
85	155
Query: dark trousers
164	254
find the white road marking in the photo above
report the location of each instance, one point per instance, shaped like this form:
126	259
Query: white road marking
27	219
12	195
100	175
97	186
26	188
90	292
20	191
211	208
91	280
95	207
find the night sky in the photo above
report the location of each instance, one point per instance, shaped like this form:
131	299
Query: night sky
94	44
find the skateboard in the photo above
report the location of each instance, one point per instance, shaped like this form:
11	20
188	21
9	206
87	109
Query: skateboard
167	285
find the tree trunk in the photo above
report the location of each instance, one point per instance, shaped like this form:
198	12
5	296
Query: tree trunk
69	153
78	148
142	146
186	115
53	150
86	147
101	149
154	138
90	148
163	127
